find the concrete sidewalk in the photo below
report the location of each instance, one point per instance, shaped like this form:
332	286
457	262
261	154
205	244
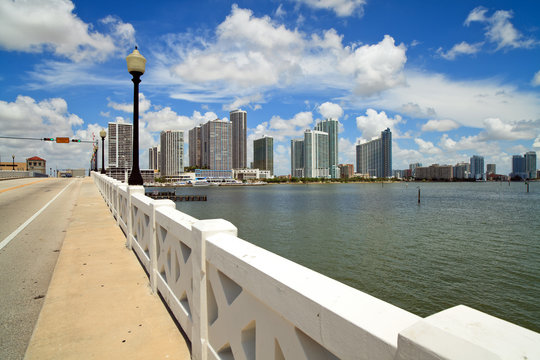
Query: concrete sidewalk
99	304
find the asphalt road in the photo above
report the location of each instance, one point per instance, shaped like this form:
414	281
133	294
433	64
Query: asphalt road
28	260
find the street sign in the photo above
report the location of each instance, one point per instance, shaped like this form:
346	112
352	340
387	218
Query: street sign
62	140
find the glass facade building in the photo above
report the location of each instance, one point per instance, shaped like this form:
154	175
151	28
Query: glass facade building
374	158
238	120
297	158
331	127
263	154
172	152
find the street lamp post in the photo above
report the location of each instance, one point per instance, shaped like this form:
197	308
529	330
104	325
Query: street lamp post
102	133
136	66
95	156
13	156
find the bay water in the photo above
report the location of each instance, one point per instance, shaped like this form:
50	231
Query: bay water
476	244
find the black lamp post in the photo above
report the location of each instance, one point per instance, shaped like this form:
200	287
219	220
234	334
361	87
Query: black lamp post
136	65
95	156
13	156
102	133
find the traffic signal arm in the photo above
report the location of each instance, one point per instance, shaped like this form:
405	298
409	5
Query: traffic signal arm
48	139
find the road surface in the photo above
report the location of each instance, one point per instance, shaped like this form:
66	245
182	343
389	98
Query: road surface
28	253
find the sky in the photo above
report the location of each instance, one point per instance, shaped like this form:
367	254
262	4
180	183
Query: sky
451	79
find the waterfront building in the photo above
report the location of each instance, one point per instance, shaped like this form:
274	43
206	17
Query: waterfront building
263	154
331	127
297	158
477	167
346	171
195	146
154	157
216	145
413	167
251	174
316	154
462	171
518	167
120	145
172	153
435	172
491	169
375	157
36	164
238	120
530	164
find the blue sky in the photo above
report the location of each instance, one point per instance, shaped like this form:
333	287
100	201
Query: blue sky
451	79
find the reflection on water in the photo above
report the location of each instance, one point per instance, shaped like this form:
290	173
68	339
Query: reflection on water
476	244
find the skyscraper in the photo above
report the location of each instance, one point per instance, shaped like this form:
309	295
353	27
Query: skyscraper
239	146
518	167
477	167
195	147
374	157
491	169
172	152
316	154
263	154
331	127
216	145
297	158
120	145
530	164
153	158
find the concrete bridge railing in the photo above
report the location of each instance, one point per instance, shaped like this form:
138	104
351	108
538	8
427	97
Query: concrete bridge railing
235	300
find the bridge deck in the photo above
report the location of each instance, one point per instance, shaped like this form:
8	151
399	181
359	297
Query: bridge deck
99	304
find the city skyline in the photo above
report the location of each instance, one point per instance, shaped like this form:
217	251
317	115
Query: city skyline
450	80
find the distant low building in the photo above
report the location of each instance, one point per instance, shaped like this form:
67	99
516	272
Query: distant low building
346	171
435	172
36	164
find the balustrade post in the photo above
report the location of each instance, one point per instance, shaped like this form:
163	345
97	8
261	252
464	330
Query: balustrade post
131	190
153	240
200	231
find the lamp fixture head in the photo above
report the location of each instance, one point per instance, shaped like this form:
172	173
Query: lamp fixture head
136	62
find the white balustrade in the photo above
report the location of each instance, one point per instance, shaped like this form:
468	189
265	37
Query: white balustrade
235	300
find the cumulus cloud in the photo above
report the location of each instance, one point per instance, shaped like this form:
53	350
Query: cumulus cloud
499	29
373	123
426	147
536	79
251	54
246	100
284	129
341	8
440	125
495	129
37	26
466	102
463	48
330	110
30	118
347	151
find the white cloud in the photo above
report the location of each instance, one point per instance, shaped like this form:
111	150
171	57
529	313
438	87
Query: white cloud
373	123
37	26
499	29
459	49
252	54
467	103
536	143
440	125
167	119
342	8
144	105
536	79
284	129
246	100
495	129
330	110
426	147
26	117
347	151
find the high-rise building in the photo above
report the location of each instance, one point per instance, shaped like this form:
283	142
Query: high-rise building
477	167
316	154
195	147
346	171
412	168
331	127
239	145
263	154
216	145
153	158
491	169
530	164
172	152
374	158
462	170
518	167
120	145
297	158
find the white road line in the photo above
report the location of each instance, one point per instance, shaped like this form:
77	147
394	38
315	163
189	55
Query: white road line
21	228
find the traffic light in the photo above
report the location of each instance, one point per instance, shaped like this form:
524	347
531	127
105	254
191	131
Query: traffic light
48	139
75	140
